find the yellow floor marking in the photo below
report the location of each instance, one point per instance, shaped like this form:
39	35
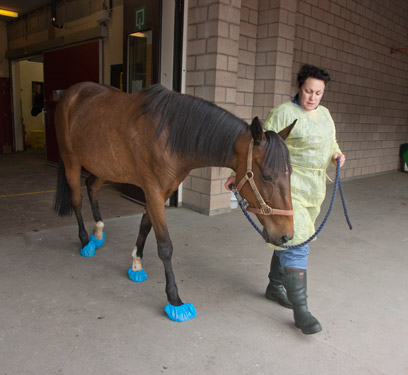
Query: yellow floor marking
36	192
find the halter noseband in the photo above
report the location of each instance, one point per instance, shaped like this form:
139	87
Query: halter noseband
249	177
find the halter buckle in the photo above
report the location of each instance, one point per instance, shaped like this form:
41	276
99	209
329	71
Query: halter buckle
266	210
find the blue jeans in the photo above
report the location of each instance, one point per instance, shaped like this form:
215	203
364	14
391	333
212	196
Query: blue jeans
294	258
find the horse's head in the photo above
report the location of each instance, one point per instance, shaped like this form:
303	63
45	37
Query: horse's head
263	179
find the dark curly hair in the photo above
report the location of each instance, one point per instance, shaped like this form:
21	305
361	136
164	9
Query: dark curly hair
308	71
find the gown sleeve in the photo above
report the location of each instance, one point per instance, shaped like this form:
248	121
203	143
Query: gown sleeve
335	145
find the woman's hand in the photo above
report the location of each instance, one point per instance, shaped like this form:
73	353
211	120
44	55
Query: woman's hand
342	159
231	180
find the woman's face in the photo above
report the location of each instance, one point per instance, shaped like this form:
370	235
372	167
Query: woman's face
311	93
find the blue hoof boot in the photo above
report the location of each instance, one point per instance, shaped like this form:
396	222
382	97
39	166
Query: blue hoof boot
181	313
98	243
88	250
137	276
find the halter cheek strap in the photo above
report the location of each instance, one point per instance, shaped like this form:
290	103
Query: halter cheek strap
249	177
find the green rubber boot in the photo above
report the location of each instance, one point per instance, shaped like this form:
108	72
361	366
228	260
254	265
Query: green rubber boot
295	282
275	290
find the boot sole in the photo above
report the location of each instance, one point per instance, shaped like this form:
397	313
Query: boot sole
311	332
273	298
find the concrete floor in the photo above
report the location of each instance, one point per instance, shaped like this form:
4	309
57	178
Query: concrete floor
64	314
27	190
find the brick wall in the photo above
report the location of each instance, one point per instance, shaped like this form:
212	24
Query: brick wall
247	59
352	39
368	97
275	43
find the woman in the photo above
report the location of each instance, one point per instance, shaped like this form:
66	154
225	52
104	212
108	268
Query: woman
313	147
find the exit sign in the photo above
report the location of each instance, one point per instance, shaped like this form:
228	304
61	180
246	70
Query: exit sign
140	18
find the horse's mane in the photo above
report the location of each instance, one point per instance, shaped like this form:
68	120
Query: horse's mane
196	127
277	158
202	130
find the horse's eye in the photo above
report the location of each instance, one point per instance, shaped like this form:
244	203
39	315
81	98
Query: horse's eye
267	177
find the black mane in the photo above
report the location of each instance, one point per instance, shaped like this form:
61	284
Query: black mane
196	127
202	130
277	158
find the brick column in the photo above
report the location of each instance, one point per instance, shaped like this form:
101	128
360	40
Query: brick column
247	58
274	60
212	68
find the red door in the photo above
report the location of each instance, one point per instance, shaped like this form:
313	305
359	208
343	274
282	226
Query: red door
62	69
6	133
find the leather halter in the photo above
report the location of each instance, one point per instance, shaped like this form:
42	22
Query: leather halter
249	177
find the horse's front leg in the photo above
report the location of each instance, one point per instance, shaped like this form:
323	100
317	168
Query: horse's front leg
165	250
176	310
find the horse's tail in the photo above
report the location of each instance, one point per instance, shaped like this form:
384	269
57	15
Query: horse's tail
62	198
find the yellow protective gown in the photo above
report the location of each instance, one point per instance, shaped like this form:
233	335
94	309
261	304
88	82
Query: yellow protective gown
311	145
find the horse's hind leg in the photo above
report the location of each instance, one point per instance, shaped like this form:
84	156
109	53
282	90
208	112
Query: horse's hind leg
136	272
73	174
93	185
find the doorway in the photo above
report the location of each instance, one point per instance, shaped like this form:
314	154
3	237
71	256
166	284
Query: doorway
38	82
28	104
141	35
139	65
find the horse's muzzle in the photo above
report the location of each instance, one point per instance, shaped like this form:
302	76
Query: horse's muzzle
278	242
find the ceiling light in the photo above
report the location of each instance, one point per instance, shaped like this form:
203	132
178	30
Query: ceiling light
139	35
8	13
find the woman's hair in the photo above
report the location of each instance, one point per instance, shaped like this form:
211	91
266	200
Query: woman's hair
312	71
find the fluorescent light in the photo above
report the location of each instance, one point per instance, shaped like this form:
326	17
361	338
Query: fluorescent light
139	35
8	13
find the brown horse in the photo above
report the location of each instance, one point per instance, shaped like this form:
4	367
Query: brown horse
153	139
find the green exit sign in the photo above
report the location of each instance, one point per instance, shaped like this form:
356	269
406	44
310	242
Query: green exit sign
140	18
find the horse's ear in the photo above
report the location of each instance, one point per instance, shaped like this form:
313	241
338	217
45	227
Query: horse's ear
285	132
257	131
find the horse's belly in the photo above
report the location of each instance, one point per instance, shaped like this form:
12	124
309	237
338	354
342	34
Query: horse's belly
115	167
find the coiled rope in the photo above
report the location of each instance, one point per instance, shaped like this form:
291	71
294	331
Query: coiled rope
337	186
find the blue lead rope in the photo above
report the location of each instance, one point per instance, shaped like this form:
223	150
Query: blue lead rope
337	185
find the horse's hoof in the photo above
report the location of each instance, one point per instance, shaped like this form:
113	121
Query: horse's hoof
137	276
98	242
181	313
88	250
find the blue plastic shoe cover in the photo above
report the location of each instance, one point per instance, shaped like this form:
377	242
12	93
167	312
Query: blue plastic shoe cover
137	276
88	250
181	313
98	243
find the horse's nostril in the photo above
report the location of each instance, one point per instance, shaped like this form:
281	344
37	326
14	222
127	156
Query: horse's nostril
284	239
